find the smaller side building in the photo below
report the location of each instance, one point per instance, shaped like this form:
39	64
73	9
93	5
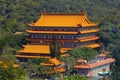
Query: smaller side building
96	67
55	64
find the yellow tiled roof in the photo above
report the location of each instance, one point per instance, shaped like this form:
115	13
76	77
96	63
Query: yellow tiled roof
1	62
95	45
55	61
47	64
89	31
36	56
51	62
61	69
40	49
52	32
29	56
89	38
35	49
63	20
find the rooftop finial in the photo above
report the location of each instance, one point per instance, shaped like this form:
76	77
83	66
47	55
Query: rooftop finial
44	13
84	12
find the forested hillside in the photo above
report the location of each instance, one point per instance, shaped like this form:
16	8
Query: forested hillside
16	14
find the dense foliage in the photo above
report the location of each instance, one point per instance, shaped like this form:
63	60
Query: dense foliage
85	53
55	48
75	77
7	69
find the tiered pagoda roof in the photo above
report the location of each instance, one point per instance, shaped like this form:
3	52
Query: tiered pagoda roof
63	20
38	51
52	32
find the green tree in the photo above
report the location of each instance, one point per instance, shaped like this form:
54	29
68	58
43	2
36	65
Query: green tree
115	68
85	53
55	48
7	69
11	73
35	70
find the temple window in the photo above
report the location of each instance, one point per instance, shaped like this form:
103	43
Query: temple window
32	36
35	28
67	37
57	36
48	29
62	29
62	37
68	44
47	36
32	28
55	29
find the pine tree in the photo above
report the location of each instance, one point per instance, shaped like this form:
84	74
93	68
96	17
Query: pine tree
55	48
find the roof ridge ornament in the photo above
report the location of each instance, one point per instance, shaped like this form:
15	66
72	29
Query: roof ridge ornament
44	13
84	12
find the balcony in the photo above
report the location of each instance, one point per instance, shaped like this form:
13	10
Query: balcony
49	40
51	32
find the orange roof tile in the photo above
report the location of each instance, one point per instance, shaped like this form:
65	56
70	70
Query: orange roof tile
16	65
64	55
47	64
52	32
61	69
103	62
102	55
40	49
32	56
29	56
1	62
89	38
80	60
96	64
95	45
89	31
63	20
52	62
82	66
55	61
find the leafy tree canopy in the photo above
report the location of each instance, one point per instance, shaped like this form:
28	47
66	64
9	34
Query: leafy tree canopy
8	71
85	53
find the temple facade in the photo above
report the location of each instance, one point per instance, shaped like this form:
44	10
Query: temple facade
71	30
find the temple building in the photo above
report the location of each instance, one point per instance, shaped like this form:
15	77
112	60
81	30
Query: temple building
97	67
71	30
55	64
